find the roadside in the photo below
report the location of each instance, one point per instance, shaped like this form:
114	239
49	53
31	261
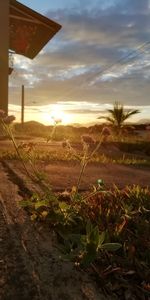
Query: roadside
29	259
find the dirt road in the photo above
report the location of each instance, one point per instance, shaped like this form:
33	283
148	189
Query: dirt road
63	175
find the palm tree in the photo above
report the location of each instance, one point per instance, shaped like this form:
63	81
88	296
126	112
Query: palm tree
118	115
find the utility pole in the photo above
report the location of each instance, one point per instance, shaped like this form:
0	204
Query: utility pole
22	104
4	47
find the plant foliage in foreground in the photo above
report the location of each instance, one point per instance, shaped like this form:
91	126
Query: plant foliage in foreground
106	232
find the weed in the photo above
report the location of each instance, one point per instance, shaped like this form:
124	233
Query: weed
104	231
23	151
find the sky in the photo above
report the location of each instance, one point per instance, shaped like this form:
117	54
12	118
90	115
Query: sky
101	55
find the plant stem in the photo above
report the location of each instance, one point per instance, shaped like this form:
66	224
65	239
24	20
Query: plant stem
7	129
97	147
85	161
80	176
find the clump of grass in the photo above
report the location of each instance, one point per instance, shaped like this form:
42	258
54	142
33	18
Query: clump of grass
62	155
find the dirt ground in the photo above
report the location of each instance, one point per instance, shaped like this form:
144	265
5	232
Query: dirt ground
64	175
30	264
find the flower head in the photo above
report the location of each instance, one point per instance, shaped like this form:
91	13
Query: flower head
2	114
106	131
57	121
87	139
9	119
100	182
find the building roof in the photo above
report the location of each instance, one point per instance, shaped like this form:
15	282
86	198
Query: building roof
29	30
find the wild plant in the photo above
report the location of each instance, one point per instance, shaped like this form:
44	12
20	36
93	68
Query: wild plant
84	248
29	154
6	123
56	122
87	155
91	226
25	152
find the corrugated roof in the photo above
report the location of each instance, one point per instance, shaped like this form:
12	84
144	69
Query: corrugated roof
29	30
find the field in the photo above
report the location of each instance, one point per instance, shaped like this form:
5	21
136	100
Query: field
73	214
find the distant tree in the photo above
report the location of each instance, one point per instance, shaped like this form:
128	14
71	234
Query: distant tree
118	115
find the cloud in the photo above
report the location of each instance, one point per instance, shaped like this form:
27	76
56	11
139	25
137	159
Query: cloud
128	20
82	63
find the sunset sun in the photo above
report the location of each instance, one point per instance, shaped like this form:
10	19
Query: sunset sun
56	115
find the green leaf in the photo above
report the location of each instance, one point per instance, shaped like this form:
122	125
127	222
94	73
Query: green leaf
64	205
26	203
95	237
111	246
89	228
87	260
101	238
40	203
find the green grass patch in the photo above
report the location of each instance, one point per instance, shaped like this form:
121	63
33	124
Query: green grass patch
52	156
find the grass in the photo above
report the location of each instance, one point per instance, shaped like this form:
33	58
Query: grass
61	155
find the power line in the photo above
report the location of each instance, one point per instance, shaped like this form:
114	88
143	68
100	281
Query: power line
121	61
109	67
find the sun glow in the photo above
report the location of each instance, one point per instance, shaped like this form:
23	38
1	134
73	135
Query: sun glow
56	115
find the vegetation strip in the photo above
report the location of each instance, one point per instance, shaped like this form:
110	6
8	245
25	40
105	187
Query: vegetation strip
90	231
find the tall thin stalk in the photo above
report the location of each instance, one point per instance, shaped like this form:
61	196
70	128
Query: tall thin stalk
10	134
34	176
86	158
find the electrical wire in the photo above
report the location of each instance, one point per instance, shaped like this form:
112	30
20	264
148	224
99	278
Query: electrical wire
120	61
